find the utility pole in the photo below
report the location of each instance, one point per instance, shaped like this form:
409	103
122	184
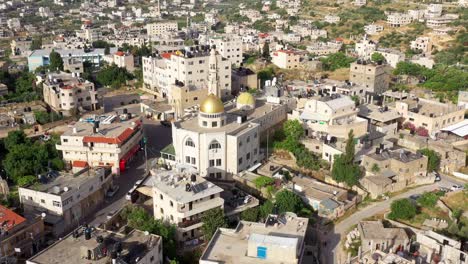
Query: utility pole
146	155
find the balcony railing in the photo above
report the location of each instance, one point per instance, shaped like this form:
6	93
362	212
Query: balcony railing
188	223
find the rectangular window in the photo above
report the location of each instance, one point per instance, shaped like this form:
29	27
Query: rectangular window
240	161
248	156
212	163
218	162
187	159
218	175
193	161
56	204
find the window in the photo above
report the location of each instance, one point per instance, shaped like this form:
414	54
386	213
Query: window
248	156
215	145
171	204
240	161
255	135
187	159
65	140
56	204
193	161
212	163
214	124
255	151
218	175
172	218
205	123
212	196
218	162
248	139
162	211
161	197
189	142
42	201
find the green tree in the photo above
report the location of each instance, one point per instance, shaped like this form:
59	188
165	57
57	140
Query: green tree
26	180
336	61
250	214
377	57
113	76
15	138
56	62
139	218
212	220
433	159
266	209
344	169
293	129
428	199
36	43
263	181
375	168
287	201
402	209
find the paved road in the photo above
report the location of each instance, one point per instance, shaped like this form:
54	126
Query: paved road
158	137
332	252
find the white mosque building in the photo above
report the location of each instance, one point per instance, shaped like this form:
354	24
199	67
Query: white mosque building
224	139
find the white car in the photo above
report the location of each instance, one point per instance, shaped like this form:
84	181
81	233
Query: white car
128	196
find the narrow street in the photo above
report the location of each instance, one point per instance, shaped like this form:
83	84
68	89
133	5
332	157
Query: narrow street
332	253
158	137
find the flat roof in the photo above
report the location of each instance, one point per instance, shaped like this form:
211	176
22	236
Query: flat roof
173	183
56	184
71	249
316	189
229	246
377	113
376	230
114	132
460	129
400	155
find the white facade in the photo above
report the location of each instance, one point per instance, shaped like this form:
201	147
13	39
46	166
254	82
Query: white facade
229	47
332	19
423	44
83	145
67	93
365	48
181	197
286	59
399	19
392	57
190	68
373	29
161	28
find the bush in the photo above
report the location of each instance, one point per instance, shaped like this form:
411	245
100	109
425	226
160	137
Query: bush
428	199
263	181
402	209
250	214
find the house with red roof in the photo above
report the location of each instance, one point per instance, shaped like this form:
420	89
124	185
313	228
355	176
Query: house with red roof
108	140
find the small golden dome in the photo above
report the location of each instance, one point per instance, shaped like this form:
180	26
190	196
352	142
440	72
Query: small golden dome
246	99
212	105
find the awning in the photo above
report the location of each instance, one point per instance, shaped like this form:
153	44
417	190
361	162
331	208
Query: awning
459	129
79	164
146	190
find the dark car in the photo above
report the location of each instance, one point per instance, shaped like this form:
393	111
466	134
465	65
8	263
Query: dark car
166	123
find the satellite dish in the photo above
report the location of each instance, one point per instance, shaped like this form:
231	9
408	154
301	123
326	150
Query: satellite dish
147	233
43	215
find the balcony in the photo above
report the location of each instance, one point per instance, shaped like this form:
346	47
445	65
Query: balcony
204	206
188	223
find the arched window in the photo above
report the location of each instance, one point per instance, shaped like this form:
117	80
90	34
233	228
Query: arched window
189	142
215	145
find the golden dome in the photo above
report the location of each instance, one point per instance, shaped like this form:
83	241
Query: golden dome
246	99
212	105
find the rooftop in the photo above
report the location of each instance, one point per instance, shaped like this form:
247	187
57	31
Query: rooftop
231	126
58	183
229	246
9	219
430	107
182	184
380	114
376	230
70	52
73	248
111	128
400	155
65	80
316	189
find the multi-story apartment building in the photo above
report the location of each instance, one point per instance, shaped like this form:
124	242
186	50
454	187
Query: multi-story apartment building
380	119
182	98
66	199
375	236
399	19
67	94
423	44
229	47
20	237
122	60
21	46
429	114
90	34
373	76
332	116
41	57
189	66
279	240
98	246
324	48
181	197
286	59
102	141
447	249
392	57
365	48
373	29
161	28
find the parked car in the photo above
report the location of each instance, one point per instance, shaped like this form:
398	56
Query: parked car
111	214
112	191
437	177
456	188
128	196
414	196
166	123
